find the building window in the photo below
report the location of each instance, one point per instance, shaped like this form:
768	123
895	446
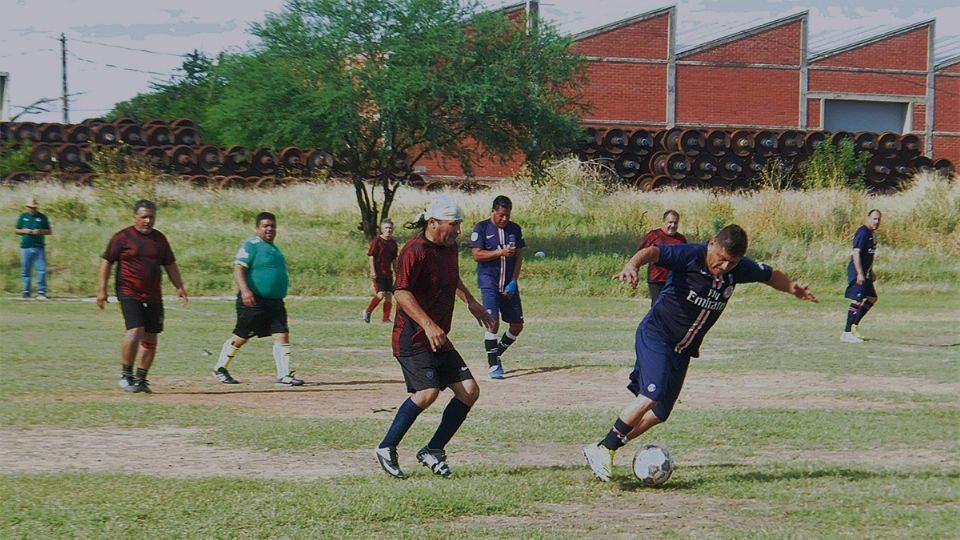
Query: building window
876	116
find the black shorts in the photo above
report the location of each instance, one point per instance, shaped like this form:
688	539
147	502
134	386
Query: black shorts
266	318
137	314
433	370
384	284
654	288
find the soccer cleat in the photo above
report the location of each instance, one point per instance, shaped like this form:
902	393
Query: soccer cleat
127	383
387	457
141	386
496	371
365	315
848	337
290	379
223	376
600	460
855	330
435	460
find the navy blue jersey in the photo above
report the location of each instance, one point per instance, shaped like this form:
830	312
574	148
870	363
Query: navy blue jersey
692	299
866	242
495	274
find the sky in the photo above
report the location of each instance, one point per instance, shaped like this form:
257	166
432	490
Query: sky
116	48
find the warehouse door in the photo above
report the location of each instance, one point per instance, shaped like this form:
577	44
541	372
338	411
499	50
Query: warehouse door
876	116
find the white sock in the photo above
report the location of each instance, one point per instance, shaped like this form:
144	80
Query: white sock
281	355
489	335
227	352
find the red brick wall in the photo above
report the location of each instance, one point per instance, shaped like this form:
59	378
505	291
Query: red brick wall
813	114
647	39
906	51
867	83
919	120
947	146
946	113
725	95
779	45
630	92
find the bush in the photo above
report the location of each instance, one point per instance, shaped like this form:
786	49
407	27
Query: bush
834	167
14	157
70	208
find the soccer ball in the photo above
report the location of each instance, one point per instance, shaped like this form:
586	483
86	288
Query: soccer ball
652	465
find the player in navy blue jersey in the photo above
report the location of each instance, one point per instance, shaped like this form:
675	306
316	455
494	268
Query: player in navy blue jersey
860	277
497	246
701	281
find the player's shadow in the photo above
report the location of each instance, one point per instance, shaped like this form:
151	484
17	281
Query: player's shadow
522	372
344	386
945	344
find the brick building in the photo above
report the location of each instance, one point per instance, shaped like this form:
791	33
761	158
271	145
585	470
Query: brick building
762	77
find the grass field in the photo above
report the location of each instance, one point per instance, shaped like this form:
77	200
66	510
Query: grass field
782	431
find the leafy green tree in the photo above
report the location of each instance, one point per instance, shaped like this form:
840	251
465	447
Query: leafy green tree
381	84
188	94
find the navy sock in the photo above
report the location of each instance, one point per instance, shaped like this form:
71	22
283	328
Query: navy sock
617	437
492	351
505	342
852	316
453	417
864	308
406	415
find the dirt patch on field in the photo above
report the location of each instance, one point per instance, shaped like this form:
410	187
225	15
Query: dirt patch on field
378	393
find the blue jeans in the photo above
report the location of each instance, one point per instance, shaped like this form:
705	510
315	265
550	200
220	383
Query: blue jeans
28	258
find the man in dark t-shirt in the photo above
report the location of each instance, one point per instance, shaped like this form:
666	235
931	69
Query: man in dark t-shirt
702	280
667	234
860	276
141	253
381	254
428	281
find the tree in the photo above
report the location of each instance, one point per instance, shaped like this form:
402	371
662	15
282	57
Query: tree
383	83
188	94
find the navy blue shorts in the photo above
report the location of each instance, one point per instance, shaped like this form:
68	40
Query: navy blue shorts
658	373
500	307
859	292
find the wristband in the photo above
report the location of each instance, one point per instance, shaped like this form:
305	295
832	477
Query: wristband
512	287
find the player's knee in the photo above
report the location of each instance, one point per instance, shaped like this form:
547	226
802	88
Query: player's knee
380	295
425	398
148	345
470	394
516	328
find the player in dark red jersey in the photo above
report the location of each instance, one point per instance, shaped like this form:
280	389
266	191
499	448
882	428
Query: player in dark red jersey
428	280
667	234
381	253
702	280
141	252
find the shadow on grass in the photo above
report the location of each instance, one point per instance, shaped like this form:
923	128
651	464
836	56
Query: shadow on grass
307	387
743	473
523	372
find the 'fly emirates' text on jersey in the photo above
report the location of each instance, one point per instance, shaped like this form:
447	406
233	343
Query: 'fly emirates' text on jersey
693	299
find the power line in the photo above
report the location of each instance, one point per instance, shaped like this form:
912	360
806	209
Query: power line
114	66
128	48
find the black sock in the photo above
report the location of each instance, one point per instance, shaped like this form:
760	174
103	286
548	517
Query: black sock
617	437
492	351
406	415
864	308
852	316
453	417
141	374
505	342
126	371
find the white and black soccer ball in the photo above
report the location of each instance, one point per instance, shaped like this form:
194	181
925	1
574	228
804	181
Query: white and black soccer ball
652	465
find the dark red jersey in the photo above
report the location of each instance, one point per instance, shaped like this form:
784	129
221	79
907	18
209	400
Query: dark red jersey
656	237
430	272
140	259
384	252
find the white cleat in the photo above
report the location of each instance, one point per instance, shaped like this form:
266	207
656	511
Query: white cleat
848	337
600	460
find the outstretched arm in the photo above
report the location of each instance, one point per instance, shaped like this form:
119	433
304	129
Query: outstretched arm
780	282
629	273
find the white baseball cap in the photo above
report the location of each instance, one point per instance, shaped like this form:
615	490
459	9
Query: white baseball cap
444	208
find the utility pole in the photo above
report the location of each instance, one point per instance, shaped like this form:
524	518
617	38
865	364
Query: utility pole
533	16
63	66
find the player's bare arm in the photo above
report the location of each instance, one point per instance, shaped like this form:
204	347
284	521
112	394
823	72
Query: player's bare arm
629	273
781	282
481	255
240	278
373	271
173	272
858	265
408	303
476	308
102	278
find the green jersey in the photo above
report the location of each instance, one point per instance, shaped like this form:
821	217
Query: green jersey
266	269
32	221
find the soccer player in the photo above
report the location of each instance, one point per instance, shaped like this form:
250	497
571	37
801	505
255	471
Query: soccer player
428	280
32	226
140	251
665	235
860	276
260	272
497	247
702	280
382	252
